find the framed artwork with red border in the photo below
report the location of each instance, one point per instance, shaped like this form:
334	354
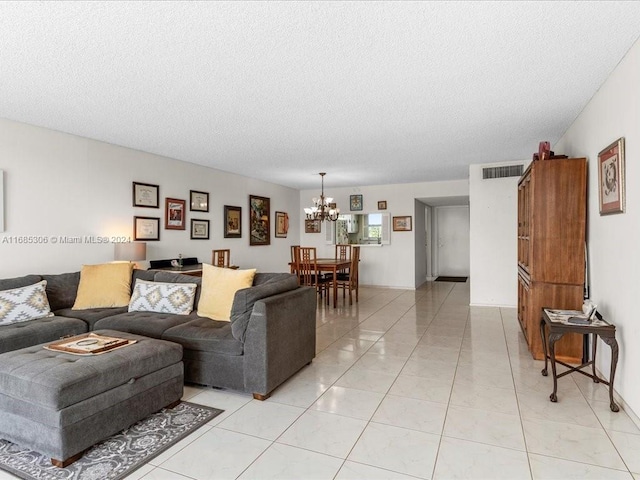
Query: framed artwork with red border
174	213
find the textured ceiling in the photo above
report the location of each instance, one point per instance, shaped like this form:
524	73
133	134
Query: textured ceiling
370	92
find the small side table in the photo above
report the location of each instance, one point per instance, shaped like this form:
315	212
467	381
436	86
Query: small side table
557	329
195	270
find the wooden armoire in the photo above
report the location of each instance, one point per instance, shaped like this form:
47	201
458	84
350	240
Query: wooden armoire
552	214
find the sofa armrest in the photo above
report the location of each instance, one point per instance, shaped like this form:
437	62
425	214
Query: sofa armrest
280	339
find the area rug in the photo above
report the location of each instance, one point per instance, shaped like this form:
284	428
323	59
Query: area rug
118	456
451	279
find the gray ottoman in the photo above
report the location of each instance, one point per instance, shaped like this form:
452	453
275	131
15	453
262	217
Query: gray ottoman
61	404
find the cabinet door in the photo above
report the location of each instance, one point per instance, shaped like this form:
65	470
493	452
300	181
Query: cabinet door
559	221
523	302
524	221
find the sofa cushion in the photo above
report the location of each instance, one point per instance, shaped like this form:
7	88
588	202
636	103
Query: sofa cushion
149	324
24	303
267	284
204	334
174	277
25	334
142	275
104	285
62	289
91	315
160	297
219	286
9	283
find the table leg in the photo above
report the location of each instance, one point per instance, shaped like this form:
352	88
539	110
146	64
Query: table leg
553	338
544	348
335	287
613	343
594	342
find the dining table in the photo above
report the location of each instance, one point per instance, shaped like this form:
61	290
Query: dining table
333	265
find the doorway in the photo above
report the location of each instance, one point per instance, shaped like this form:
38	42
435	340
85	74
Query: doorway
453	240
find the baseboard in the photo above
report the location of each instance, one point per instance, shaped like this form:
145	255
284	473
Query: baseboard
618	398
492	305
393	287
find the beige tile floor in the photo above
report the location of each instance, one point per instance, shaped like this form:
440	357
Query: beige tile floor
411	384
406	385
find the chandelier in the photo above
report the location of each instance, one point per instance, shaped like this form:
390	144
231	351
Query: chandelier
323	208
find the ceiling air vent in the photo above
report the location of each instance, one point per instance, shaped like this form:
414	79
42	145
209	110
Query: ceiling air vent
502	172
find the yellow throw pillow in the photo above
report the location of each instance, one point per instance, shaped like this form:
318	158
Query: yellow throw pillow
219	287
105	285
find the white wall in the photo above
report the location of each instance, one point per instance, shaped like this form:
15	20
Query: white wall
62	185
493	207
390	265
613	240
420	240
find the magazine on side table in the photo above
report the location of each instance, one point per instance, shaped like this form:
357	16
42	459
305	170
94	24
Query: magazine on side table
89	344
575	317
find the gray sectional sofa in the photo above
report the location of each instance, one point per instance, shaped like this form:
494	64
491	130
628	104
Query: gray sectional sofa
271	335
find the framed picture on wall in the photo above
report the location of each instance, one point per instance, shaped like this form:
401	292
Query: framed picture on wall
146	228
174	214
402	224
382	205
146	195
199	229
312	226
232	222
282	224
355	203
199	201
259	220
611	183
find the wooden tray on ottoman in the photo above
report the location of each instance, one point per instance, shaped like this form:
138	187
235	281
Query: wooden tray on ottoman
89	344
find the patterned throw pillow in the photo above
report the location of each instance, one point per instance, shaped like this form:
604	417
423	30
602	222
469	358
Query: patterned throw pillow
24	303
176	298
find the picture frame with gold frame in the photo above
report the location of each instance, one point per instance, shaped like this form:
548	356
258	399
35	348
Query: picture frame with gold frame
232	222
402	223
611	181
282	224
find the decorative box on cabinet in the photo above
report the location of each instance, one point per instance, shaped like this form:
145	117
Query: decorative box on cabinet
551	235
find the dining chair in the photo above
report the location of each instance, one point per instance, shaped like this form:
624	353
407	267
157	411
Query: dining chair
308	273
349	280
221	258
343	252
294	261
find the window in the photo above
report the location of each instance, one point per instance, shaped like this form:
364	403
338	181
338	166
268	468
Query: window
373	227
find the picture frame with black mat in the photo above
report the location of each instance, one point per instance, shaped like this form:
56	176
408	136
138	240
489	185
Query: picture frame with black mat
146	228
146	195
199	229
